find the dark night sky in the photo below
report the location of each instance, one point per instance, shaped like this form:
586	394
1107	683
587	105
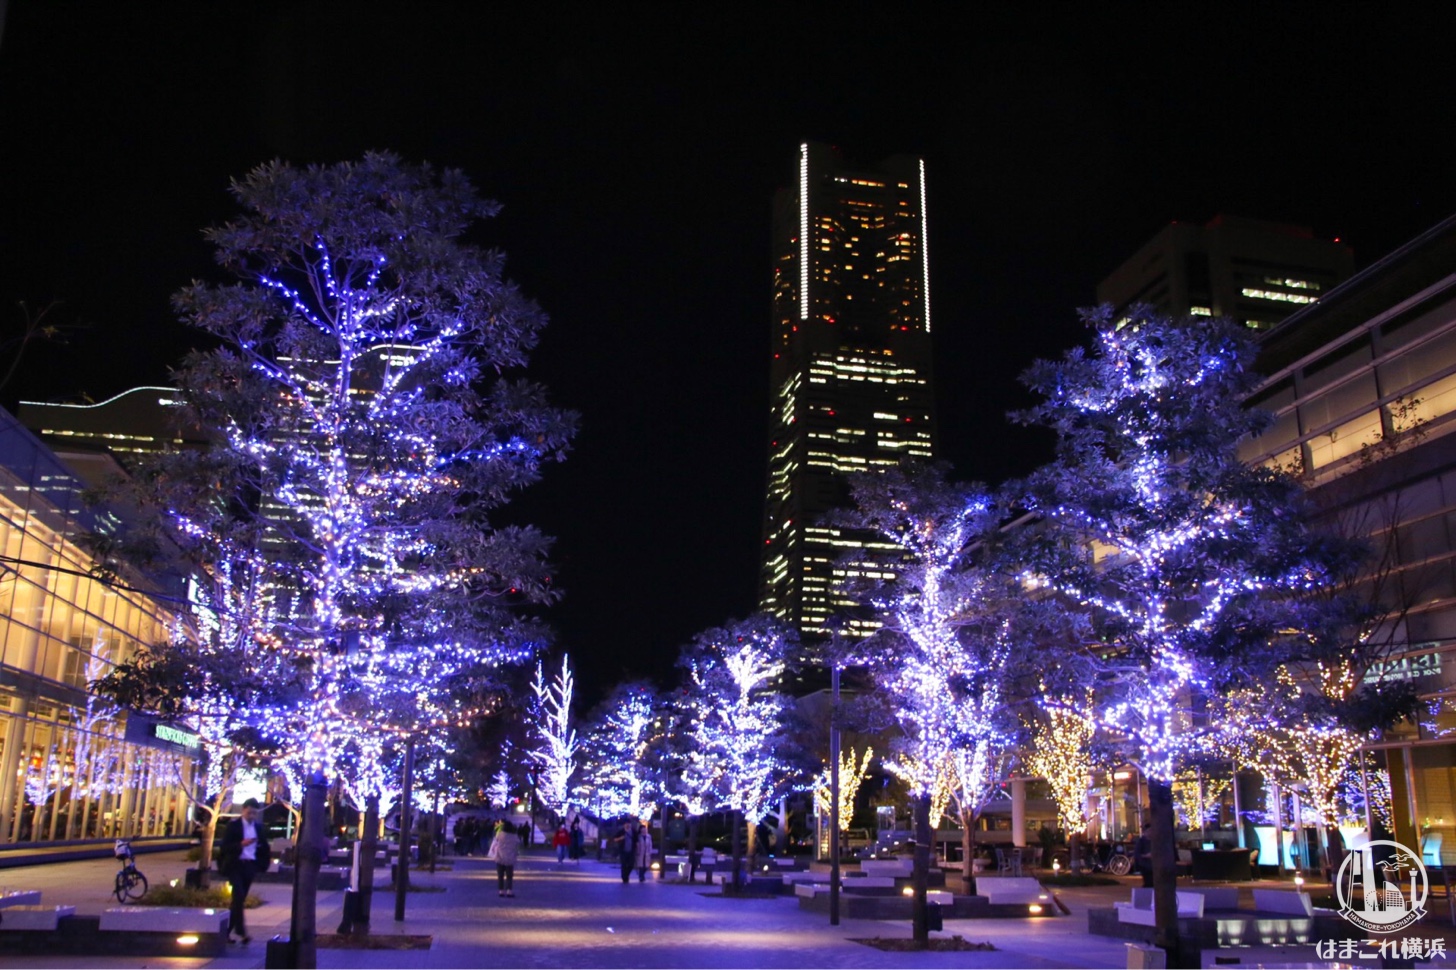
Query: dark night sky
636	150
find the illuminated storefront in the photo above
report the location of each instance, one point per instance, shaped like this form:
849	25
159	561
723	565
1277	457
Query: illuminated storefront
71	767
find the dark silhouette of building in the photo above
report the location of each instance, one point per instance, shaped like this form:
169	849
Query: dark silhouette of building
850	369
1248	270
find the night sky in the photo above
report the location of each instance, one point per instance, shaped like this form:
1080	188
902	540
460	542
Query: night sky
636	150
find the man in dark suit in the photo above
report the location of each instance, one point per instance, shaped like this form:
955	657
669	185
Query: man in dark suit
244	855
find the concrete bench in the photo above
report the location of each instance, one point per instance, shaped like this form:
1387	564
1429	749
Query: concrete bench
1283	902
161	919
887	867
1011	889
800	875
20	897
865	883
44	918
940	897
1190	906
1218	897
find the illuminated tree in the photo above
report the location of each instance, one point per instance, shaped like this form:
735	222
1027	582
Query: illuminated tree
946	650
621	744
1197	797
1061	754
223	673
1190	563
556	745
734	722
852	774
365	422
356	395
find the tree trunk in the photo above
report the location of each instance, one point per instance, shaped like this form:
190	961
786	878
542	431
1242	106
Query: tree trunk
751	831
406	822
920	878
1165	871
309	852
968	852
368	845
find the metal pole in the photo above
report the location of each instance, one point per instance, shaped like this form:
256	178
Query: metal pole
834	797
401	879
1238	810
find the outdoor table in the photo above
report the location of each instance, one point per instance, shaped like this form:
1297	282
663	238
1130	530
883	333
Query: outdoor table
1231	865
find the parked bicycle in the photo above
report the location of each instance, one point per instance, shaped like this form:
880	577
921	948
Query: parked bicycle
130	883
1113	857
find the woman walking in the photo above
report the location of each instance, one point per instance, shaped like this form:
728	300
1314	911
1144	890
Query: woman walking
505	848
642	850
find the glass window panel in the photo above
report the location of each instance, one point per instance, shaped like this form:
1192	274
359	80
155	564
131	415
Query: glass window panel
1346	440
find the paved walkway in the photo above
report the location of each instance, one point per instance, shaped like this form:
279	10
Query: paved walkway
582	916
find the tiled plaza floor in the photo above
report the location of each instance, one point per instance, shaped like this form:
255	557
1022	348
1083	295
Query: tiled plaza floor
582	916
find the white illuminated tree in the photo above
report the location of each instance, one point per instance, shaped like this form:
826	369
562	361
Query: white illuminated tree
1191	565
946	644
556	744
622	743
734	723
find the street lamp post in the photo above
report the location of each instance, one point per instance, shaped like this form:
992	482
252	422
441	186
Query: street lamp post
834	794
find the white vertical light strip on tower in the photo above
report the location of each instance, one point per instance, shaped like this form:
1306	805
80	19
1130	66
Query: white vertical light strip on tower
924	250
804	231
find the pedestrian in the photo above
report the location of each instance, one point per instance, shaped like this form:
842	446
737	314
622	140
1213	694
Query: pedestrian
577	840
627	849
244	854
504	849
642	851
1142	855
562	841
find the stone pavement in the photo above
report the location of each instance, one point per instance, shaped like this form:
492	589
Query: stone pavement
582	916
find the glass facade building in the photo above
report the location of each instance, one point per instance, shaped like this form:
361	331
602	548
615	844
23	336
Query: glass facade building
71	766
850	369
1363	389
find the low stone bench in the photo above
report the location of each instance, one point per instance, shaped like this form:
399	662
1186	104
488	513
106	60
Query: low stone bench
940	897
800	875
1190	906
887	867
20	897
1217	897
161	919
1283	902
44	918
1000	890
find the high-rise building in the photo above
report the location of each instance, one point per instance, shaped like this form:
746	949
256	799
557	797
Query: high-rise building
851	385
1248	270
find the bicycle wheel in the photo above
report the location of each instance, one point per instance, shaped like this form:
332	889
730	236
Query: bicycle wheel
1119	865
136	885
121	887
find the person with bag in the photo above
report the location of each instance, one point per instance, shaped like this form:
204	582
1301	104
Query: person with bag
244	854
504	850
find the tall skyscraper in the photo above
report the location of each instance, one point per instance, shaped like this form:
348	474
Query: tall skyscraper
1248	270
851	386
